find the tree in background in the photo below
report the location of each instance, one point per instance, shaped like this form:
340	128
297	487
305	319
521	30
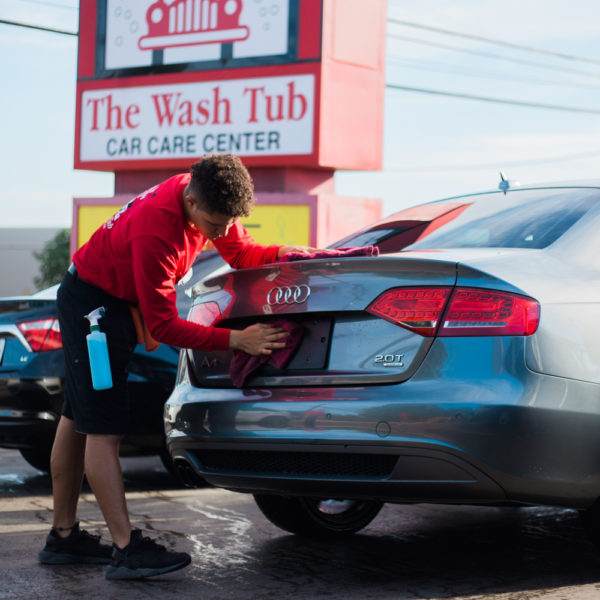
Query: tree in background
54	259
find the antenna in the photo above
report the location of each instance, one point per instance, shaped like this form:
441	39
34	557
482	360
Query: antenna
506	184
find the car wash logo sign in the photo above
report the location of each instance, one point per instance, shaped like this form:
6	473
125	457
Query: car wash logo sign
265	116
192	22
202	34
254	116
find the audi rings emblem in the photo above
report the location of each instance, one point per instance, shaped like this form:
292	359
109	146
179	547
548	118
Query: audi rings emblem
290	294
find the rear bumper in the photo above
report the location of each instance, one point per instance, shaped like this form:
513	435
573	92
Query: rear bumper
29	410
25	428
405	474
517	437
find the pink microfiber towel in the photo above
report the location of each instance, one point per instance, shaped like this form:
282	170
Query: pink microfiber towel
242	363
337	253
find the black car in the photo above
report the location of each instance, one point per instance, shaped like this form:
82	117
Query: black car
32	376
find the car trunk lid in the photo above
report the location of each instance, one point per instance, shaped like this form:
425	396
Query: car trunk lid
342	342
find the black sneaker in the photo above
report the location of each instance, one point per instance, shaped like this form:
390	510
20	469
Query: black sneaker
143	557
78	547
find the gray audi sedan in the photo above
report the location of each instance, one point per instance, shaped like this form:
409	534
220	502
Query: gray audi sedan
463	367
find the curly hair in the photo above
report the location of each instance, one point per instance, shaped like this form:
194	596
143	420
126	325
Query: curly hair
222	184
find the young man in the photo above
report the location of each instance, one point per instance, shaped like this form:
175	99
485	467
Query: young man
136	258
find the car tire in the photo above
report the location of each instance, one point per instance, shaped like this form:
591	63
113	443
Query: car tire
317	517
590	517
38	458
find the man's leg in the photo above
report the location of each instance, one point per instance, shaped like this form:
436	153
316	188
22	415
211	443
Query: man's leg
66	543
103	471
134	556
66	466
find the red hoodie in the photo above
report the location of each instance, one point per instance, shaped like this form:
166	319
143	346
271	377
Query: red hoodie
143	250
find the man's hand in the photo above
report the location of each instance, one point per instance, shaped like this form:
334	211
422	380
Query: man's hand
257	339
300	249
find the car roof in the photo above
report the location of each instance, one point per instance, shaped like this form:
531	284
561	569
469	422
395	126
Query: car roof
515	186
45	294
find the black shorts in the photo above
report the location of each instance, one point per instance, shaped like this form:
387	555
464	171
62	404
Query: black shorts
104	411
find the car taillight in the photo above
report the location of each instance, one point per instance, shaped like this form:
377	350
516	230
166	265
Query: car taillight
469	312
417	309
205	314
487	312
42	335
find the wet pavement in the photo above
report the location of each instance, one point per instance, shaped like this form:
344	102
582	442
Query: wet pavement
408	552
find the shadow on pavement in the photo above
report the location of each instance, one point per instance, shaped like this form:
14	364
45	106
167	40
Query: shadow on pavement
476	551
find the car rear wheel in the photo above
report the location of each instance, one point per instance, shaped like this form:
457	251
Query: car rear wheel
317	517
590	518
167	462
39	458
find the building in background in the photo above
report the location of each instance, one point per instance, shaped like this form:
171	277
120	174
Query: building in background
19	266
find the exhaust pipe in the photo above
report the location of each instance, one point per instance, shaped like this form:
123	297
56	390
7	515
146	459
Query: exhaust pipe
188	476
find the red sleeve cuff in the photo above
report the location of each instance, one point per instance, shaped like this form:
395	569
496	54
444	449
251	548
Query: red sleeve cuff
221	339
272	253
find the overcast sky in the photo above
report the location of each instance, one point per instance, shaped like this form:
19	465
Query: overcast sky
511	85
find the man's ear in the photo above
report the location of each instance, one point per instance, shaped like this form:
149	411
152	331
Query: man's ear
188	200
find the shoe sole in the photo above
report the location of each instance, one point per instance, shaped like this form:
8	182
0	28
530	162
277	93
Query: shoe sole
127	573
46	557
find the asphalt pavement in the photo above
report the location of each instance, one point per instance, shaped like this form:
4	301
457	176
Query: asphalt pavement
408	552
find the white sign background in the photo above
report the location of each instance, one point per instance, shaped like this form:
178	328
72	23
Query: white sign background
267	117
267	21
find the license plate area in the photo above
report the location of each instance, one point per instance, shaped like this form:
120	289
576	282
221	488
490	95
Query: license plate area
313	350
311	356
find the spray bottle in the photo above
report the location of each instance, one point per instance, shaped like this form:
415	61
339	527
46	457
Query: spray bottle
98	352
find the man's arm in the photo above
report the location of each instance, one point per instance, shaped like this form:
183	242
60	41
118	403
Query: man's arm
240	250
154	273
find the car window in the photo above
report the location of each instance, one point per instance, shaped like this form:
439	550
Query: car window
369	238
10	305
521	219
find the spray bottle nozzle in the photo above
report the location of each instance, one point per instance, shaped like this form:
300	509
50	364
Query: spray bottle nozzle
94	316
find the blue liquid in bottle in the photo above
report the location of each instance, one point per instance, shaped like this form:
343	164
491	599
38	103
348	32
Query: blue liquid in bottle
98	352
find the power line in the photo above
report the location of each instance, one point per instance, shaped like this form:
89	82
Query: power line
17	24
496	100
398	87
480	38
492	55
52	4
444	68
482	166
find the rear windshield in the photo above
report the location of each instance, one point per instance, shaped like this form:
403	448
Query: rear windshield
519	219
